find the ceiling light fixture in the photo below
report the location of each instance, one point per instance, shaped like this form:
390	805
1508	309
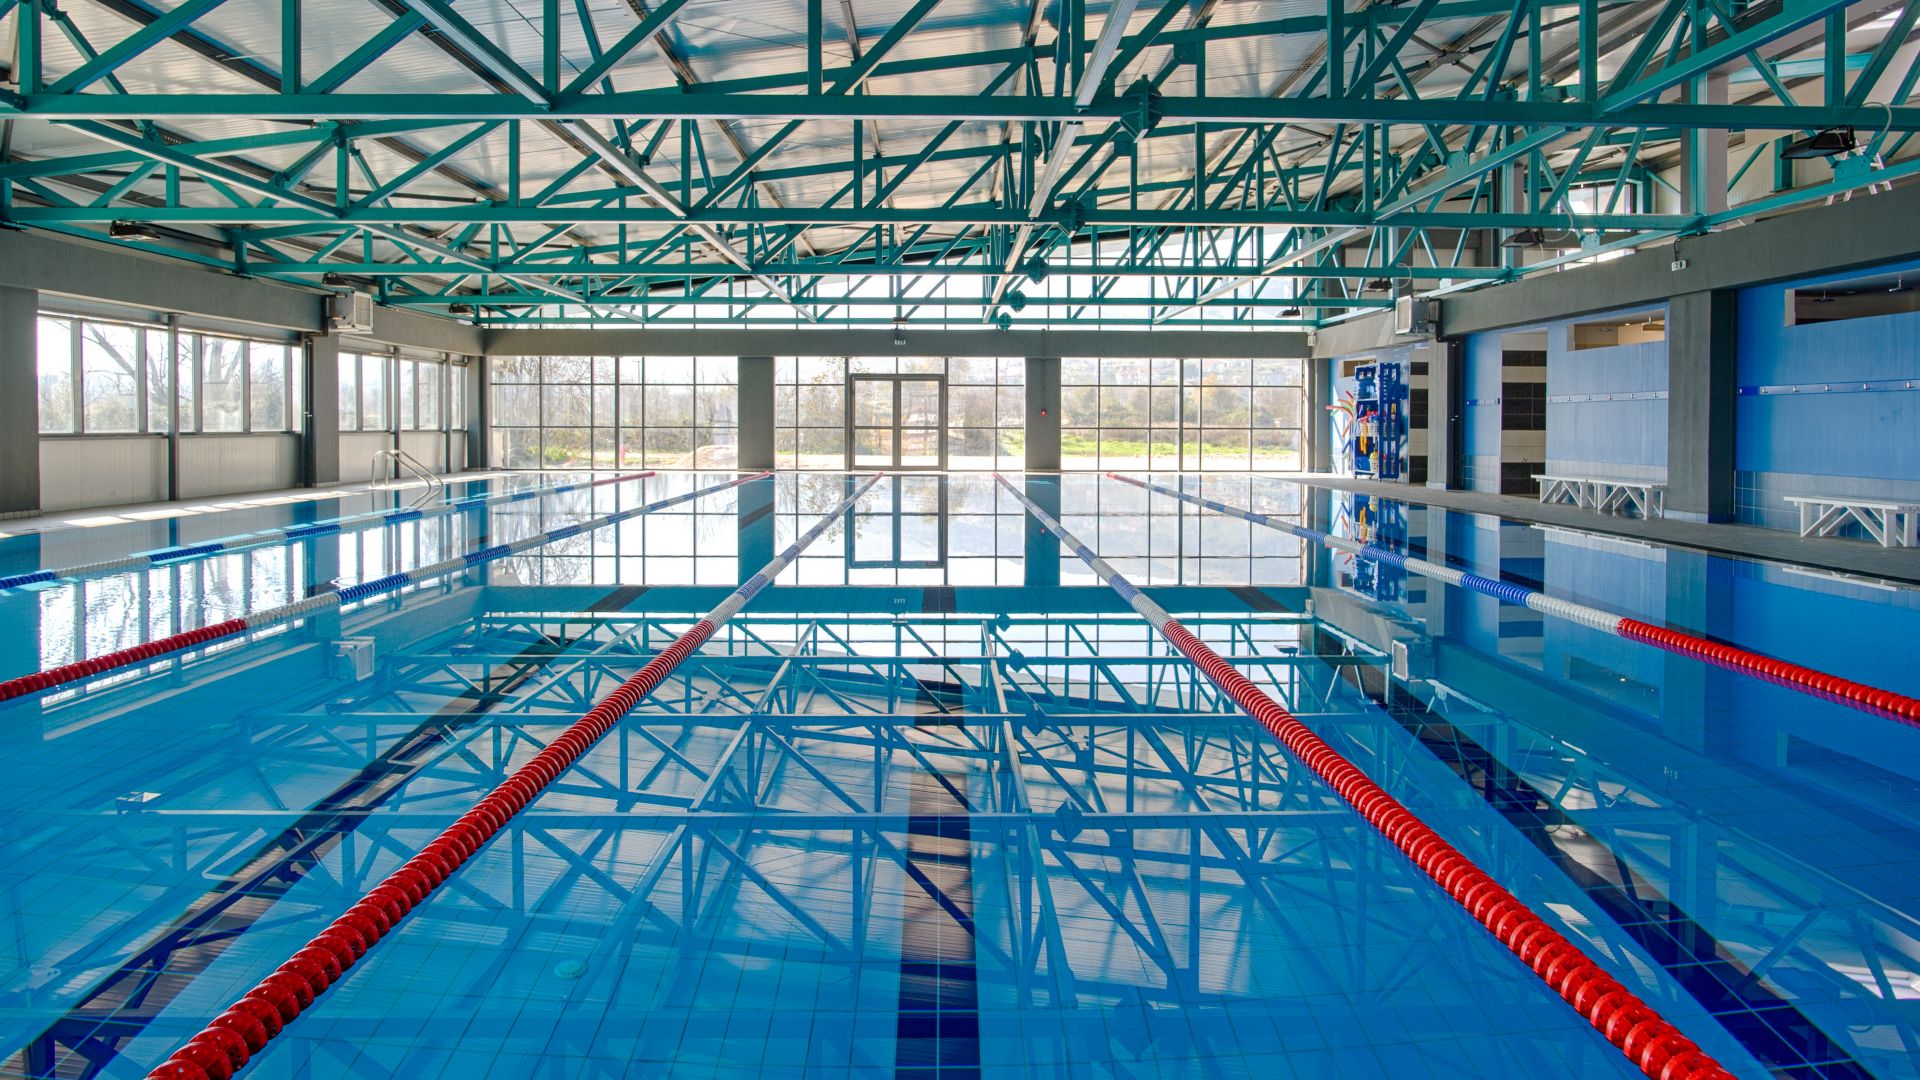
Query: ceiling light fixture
1825	143
1525	238
132	230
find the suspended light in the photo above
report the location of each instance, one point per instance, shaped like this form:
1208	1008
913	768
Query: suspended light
1380	284
1290	313
1526	238
132	230
1825	143
459	309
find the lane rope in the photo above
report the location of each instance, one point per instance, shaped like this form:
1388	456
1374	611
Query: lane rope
1828	687
1654	1045
245	541
231	1039
327	601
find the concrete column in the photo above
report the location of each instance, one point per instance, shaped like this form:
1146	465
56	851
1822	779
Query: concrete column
19	403
755	510
320	441
1319	425
1043	413
1042	557
1446	392
1702	381
472	381
756	450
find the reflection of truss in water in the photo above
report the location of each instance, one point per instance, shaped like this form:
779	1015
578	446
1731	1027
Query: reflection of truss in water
1128	838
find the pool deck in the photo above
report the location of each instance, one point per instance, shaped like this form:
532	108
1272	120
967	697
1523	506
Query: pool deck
1745	541
54	521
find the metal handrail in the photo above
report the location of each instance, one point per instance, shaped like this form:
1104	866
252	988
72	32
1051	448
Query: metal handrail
403	460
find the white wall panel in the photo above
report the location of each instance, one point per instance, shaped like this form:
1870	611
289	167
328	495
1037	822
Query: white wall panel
105	471
229	464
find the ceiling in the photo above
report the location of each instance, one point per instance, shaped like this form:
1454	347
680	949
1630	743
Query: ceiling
926	162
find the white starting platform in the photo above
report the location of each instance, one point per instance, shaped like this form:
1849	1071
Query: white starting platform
1605	494
1893	524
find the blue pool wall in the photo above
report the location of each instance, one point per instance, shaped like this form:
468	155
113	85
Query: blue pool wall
1851	442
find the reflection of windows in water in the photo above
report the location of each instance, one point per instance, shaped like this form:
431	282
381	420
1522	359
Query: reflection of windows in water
88	618
1164	541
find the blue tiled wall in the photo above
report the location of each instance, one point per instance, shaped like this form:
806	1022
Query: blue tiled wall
1621	432
1480	414
1828	443
1620	428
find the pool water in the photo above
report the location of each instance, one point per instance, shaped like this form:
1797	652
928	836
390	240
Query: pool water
938	806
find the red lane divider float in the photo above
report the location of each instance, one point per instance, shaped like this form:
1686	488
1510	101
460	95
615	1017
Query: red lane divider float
227	1043
233	1037
1794	676
1870	699
105	662
24	685
1653	1044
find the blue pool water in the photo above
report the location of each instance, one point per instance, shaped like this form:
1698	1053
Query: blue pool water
938	806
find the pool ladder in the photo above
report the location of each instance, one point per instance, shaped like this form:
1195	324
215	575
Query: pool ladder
398	460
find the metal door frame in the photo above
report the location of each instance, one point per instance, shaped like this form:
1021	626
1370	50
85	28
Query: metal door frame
896	379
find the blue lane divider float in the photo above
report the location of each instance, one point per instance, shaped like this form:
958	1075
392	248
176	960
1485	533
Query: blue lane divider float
1811	681
297	532
328	601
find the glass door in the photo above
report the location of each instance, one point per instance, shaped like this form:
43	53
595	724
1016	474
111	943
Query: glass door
896	422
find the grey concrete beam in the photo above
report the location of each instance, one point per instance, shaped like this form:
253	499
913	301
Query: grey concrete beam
101	272
1869	230
412	330
1358	335
738	341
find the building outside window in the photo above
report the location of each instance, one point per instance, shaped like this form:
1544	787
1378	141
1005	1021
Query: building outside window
605	412
100	377
1211	415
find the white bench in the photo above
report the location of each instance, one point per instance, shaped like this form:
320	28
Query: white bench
1893	524
1605	494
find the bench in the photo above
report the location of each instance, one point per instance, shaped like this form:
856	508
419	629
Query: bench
1893	524
1605	494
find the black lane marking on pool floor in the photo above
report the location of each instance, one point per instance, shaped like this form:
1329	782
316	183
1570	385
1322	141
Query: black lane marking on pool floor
755	515
1257	599
1771	1027
937	1035
122	1004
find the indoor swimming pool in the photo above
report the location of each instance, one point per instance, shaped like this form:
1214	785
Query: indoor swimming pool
938	803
